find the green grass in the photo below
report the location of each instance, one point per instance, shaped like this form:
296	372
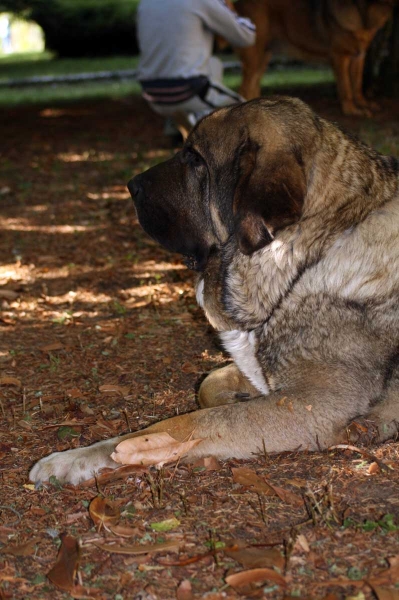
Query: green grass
36	64
68	93
278	79
28	65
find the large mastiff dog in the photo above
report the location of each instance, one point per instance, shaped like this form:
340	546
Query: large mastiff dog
293	227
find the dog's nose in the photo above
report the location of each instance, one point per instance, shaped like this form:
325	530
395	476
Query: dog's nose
134	186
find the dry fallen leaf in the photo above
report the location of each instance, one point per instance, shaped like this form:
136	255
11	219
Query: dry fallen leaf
254	558
385	594
245	578
10	381
8	294
140	548
114	389
152	449
74	393
393	562
184	591
299	483
287	496
189	368
215	596
387	576
52	347
106	475
374	468
248	478
64	571
26	549
86	410
103	513
124	530
302	543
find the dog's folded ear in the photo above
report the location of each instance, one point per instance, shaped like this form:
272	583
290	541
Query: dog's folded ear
269	196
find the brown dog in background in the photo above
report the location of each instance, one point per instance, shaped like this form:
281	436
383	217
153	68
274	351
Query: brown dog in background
338	31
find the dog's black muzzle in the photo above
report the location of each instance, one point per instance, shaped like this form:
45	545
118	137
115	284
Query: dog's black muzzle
136	189
163	220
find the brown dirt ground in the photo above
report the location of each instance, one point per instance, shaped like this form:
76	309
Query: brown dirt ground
94	302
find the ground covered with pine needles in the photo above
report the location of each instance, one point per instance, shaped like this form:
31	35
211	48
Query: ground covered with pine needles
100	335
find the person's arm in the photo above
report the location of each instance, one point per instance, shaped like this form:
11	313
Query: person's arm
222	20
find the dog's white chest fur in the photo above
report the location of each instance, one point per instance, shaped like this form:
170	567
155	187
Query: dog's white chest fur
241	345
199	292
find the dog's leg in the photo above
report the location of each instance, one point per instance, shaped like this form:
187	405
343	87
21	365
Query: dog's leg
225	386
255	61
341	65
307	419
263	64
356	71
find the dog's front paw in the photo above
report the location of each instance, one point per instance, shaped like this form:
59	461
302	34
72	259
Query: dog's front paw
75	466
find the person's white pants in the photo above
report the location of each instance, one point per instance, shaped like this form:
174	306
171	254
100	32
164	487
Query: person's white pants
186	114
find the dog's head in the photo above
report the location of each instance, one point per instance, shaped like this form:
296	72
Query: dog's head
242	172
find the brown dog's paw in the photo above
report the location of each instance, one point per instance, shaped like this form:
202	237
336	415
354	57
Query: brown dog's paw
226	385
74	466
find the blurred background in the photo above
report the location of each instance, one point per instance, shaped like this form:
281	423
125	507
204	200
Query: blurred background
71	49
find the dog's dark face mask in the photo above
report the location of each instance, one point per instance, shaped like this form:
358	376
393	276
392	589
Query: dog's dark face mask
172	204
238	176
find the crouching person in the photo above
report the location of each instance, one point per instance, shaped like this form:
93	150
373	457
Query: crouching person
179	76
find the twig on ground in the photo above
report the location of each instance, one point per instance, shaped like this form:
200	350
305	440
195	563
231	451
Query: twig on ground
4	507
365	453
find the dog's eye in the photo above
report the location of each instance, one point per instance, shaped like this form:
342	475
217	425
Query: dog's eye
192	158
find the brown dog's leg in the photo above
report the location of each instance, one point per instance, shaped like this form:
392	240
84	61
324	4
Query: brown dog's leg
341	64
254	63
225	386
356	72
254	59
